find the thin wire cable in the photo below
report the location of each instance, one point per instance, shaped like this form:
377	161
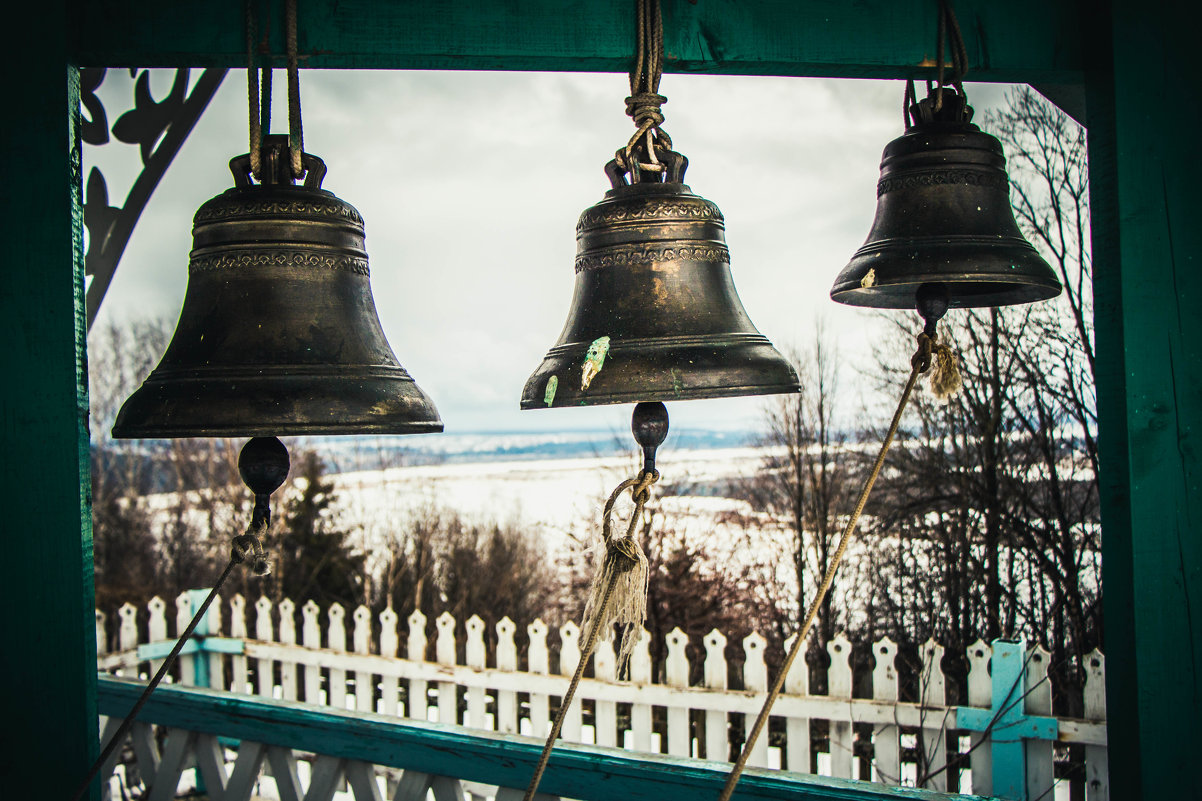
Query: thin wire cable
920	362
296	140
244	545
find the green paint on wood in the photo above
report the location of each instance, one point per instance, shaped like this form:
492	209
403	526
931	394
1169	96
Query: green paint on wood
48	667
195	645
1006	720
1021	39
584	772
1142	111
1147	279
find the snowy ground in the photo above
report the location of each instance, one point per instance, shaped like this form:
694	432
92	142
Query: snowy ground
548	497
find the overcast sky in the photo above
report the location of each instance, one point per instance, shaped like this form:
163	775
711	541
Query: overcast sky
470	185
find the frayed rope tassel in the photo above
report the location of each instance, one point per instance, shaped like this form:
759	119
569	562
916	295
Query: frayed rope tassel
622	577
944	373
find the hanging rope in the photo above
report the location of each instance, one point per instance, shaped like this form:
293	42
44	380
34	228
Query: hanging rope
644	105
259	100
920	362
949	30
296	140
618	595
252	94
247	547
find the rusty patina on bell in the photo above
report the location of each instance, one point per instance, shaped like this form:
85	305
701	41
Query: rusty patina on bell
654	313
278	334
943	216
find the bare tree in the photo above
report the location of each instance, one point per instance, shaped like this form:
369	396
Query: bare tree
989	508
809	474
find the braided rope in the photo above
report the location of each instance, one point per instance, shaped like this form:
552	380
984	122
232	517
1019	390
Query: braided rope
919	363
296	138
645	102
622	556
252	95
949	30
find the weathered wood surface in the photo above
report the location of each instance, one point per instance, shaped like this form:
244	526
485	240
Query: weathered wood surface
768	37
342	738
433	681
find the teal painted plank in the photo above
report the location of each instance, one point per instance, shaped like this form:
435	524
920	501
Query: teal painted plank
588	773
1146	241
971	719
1028	40
48	628
196	645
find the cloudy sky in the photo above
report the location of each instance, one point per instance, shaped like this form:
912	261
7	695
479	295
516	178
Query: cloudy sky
470	185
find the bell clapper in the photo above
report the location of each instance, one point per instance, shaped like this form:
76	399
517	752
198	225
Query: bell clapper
932	301
263	465
649	424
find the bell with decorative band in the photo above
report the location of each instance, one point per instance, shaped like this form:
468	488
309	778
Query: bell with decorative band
278	334
654	313
943	217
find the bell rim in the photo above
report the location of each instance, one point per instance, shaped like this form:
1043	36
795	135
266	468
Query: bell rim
1022	276
666	342
291	430
183	406
901	295
665	396
679	371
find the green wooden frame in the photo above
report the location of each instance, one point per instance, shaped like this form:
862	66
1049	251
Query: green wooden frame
586	772
1131	61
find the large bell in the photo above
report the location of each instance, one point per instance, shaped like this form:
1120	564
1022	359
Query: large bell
278	334
943	216
654	314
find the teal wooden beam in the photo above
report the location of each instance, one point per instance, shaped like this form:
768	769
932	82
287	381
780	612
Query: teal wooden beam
1020	40
584	772
195	645
47	631
1145	117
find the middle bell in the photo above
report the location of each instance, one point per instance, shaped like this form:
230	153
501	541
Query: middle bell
654	314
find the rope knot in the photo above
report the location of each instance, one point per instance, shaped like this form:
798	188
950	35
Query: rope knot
921	360
625	553
645	109
940	360
248	547
642	490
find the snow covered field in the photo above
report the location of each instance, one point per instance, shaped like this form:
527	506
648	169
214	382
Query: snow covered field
551	498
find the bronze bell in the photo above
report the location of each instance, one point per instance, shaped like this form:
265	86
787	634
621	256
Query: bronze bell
654	314
943	216
278	334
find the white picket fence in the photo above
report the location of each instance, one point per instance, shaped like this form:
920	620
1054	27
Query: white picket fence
488	691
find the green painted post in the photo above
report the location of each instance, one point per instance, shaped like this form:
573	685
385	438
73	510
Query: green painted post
1145	117
1008	724
48	668
200	662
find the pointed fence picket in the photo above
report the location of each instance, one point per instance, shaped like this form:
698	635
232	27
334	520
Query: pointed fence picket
933	742
898	742
838	683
